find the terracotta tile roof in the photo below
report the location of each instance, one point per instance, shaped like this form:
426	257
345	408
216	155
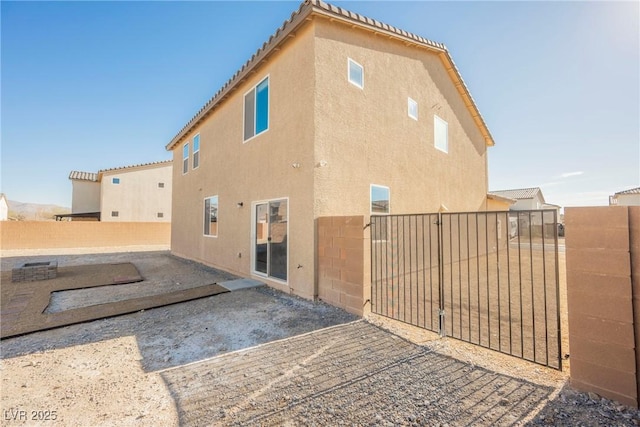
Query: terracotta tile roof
629	191
161	163
519	193
83	176
320	8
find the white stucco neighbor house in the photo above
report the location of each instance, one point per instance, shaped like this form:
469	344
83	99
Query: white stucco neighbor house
138	193
630	197
525	198
4	208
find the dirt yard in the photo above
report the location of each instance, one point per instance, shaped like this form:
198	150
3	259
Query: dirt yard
260	357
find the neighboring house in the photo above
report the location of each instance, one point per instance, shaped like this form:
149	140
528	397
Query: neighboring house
139	193
4	208
629	197
85	196
335	115
499	203
525	198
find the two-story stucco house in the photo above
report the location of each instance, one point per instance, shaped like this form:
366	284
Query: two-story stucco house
139	193
336	114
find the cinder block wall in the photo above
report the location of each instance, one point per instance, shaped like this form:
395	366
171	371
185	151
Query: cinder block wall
81	234
603	244
340	261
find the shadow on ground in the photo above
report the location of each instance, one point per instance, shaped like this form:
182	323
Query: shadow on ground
185	332
353	374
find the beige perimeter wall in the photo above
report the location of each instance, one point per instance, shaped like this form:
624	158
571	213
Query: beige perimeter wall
16	235
603	292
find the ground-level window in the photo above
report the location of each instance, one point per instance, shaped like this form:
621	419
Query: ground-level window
161	185
185	158
211	216
441	134
412	108
355	73
379	199
115	180
160	215
256	110
115	213
196	151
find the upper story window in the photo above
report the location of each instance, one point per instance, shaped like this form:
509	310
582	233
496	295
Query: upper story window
161	185
115	180
211	216
356	73
185	158
441	134
412	108
379	199
196	151
256	110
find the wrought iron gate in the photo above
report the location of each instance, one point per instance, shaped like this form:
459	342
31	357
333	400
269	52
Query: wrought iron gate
488	278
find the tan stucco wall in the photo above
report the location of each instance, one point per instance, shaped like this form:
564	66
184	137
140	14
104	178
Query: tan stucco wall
497	205
365	136
85	196
260	169
343	139
137	197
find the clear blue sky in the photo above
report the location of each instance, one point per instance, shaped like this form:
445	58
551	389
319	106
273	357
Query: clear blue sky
95	85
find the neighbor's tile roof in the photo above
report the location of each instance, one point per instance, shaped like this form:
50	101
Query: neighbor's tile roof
83	176
161	163
320	8
518	194
629	191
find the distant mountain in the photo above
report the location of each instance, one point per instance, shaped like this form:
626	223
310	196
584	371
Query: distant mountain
34	211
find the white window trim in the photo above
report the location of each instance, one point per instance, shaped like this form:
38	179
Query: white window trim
371	201
194	152
255	106
436	118
409	102
202	223
185	158
356	84
253	241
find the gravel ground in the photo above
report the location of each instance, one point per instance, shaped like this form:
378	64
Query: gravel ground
261	357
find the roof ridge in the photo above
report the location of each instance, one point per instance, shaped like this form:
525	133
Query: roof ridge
136	166
307	7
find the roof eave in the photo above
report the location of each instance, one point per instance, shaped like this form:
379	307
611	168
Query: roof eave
320	8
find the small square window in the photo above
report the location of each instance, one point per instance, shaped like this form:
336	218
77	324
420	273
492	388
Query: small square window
196	151
115	180
160	215
115	213
412	109
441	134
161	185
356	73
185	158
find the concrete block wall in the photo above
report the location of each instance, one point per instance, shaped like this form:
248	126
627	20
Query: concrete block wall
603	288
16	235
340	273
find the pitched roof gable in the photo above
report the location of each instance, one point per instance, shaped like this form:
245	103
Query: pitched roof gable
320	8
629	191
519	193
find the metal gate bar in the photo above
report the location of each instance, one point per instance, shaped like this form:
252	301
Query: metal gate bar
488	278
